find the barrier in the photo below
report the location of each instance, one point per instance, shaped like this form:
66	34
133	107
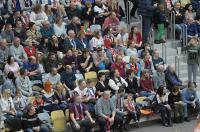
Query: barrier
184	35
177	65
128	15
164	52
173	31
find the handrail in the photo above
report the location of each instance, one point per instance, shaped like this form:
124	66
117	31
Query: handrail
173	37
177	65
164	52
185	38
140	20
128	12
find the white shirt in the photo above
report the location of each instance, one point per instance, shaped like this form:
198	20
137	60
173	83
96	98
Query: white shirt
59	30
6	104
38	18
115	86
80	92
53	79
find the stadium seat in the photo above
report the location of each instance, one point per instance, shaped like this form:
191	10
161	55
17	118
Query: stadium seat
67	115
58	120
104	71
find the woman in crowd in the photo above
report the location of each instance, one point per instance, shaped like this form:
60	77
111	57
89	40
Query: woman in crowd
11	66
33	33
101	85
131	50
88	13
59	27
120	65
96	41
30	49
134	66
48	11
189	14
135	36
81	41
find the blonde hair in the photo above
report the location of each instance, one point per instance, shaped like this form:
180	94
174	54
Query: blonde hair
133	59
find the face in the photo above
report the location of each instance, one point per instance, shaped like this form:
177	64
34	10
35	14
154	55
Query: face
54	37
190	8
72	34
156	54
113	15
33	27
33	61
147	74
193	41
129	97
178	5
117	73
46	25
54	71
30	43
3	43
103	78
83	85
78	99
135	30
69	53
73	5
19	24
32	111
12	60
100	53
76	20
119	59
132	45
147	57
69	69
16	41
106	96
59	87
9	28
17	14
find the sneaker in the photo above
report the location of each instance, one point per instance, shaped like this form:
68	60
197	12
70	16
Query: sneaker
166	125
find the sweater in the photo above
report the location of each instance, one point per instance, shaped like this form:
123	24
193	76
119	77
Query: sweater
192	54
30	121
146	85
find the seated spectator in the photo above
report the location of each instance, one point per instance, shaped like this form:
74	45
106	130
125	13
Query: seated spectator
19	31
191	28
135	66
131	50
13	18
31	122
122	37
111	21
189	96
4	53
133	111
147	63
179	17
38	103
146	85
32	68
54	44
118	101
8	33
159	77
18	52
53	77
20	102
81	41
132	81
68	78
195	5
135	36
7	106
147	49
30	49
116	81
46	30
23	83
33	33
69	59
11	65
9	83
88	13
96	41
25	19
109	38
101	85
62	95
85	62
38	15
78	112
189	12
73	11
101	12
120	65
59	27
106	112
101	61
171	78
157	60
71	36
74	25
177	105
161	106
91	90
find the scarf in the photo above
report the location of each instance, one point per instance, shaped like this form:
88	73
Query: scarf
147	64
131	106
79	116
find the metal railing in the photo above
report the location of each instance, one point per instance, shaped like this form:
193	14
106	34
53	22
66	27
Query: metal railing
140	20
164	52
184	35
128	14
177	65
173	34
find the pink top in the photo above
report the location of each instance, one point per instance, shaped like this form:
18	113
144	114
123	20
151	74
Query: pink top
14	68
113	23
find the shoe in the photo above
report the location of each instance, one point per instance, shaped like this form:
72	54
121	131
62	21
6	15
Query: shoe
138	124
195	84
186	119
162	41
166	125
181	119
170	124
157	42
126	127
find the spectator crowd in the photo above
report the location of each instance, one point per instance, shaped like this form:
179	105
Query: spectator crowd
78	57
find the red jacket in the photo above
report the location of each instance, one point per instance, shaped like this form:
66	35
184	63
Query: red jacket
138	37
146	84
30	52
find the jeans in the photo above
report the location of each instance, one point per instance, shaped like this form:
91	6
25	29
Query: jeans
84	124
146	26
147	94
192	70
165	115
42	129
178	111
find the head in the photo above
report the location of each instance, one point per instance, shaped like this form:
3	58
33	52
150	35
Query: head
121	92
77	99
54	71
3	43
68	69
8	27
160	68
147	56
6	93
22	72
11	75
134	29
82	84
29	42
194	41
188	7
177	5
175	90
114	73
17	14
51	56
101	76
73	6
86	52
172	68
16	41
90	83
106	95
46	24
37	9
98	2
59	87
160	90
131	44
155	53
88	4
54	38
146	73
113	15
191	86
81	34
100	51
74	52
18	24
161	7
123	29
71	34
32	26
18	93
58	20
68	52
130	96
76	20
133	59
118	59
10	60
30	109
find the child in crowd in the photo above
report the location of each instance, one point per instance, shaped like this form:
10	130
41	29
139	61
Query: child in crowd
38	103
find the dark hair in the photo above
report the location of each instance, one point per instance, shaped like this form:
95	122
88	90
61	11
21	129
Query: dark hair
9	59
22	71
31	24
129	72
112	72
121	90
100	74
11	76
28	108
99	49
132	28
175	89
187	6
80	81
160	90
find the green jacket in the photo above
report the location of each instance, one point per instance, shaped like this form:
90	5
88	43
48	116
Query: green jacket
193	54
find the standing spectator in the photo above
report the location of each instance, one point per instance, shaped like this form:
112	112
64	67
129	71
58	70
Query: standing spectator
77	112
4	53
38	15
11	66
23	83
145	8
192	49
18	52
8	33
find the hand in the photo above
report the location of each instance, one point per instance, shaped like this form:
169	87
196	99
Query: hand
168	107
126	113
77	126
88	57
56	101
92	121
111	120
155	5
37	129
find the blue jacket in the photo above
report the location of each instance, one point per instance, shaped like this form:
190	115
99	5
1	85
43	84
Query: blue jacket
195	4
198	29
80	45
47	32
145	8
189	95
192	29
